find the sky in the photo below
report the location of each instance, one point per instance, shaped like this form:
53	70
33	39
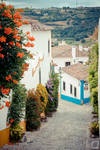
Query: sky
53	3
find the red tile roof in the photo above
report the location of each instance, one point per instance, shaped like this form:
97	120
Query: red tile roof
78	71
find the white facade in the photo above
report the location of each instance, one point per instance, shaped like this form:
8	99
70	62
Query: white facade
69	80
41	60
74	90
61	61
4	111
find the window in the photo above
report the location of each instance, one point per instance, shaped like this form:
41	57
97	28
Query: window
39	75
67	63
64	86
80	62
75	91
48	46
71	89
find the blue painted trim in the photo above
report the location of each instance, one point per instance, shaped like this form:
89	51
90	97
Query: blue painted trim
86	100
82	90
71	99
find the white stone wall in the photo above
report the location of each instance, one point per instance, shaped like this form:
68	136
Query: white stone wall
41	50
4	112
61	61
70	80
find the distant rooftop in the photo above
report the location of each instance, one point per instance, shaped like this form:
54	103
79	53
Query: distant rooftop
78	71
36	25
66	51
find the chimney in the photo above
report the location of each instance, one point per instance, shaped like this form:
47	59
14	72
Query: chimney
73	51
80	48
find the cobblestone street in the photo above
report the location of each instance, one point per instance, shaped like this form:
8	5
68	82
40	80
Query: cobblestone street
66	130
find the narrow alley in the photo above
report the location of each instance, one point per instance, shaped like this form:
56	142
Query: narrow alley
66	130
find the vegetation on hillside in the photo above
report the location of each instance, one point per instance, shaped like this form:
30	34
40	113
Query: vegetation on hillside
68	23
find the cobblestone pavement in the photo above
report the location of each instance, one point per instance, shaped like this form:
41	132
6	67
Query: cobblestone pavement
66	130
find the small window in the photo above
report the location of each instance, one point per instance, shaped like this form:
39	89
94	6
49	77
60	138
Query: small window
81	62
64	86
40	75
71	89
48	46
75	91
67	63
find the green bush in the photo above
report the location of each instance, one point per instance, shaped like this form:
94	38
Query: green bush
16	133
33	109
52	88
18	105
94	128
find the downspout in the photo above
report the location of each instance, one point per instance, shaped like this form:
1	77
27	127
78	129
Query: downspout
99	76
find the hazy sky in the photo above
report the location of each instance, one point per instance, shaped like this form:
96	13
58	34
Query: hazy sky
53	3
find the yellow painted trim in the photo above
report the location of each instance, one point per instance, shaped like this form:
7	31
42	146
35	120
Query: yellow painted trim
23	125
4	137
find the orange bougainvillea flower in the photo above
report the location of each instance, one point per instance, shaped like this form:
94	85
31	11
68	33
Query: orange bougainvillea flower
11	43
31	38
10	6
25	67
18	23
7	103
5	91
18	45
1	107
31	44
7	13
1	7
15	81
0	27
20	10
8	78
17	37
28	33
17	15
2	39
12	120
1	56
8	30
27	44
20	55
15	31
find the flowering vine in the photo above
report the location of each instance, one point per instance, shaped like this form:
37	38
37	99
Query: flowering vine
13	53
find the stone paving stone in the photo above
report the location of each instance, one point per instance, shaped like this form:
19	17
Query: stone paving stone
66	130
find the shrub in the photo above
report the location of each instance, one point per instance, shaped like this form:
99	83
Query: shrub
94	128
17	107
50	105
16	133
33	109
52	88
43	94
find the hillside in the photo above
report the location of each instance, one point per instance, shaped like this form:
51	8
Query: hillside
75	24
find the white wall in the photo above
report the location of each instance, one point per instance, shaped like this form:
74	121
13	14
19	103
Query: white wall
70	80
87	92
4	112
61	61
40	49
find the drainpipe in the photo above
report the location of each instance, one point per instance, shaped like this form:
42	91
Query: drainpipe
82	92
99	76
60	80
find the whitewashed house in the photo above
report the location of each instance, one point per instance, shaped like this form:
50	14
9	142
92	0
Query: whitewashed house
39	66
65	55
38	72
74	84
